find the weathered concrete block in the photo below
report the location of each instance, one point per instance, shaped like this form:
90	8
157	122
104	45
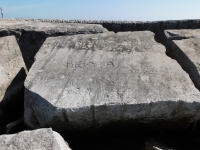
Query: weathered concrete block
41	139
89	81
184	46
12	77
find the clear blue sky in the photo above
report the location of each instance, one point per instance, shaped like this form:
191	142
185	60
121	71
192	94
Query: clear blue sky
135	10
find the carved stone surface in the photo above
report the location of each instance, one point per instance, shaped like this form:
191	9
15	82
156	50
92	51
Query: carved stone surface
12	77
41	139
89	81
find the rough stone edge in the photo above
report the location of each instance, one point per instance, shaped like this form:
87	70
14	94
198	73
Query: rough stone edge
175	52
93	21
56	137
60	141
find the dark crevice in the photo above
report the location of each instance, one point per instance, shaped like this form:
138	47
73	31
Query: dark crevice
123	134
12	105
29	43
127	139
156	27
134	141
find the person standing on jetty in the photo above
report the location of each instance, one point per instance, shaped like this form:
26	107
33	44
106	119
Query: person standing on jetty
1	12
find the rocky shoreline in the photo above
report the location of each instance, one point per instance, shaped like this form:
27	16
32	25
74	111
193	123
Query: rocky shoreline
99	84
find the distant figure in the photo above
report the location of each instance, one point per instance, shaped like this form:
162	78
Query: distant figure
1	12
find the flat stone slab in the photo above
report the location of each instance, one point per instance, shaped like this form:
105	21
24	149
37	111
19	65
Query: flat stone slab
182	34
41	139
12	77
89	81
186	51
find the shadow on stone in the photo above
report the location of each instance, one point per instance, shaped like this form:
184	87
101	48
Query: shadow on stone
122	133
12	107
176	53
28	41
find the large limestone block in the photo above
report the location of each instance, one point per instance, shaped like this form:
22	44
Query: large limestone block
12	77
186	51
41	139
31	35
85	81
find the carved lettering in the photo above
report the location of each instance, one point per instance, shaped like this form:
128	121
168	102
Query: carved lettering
110	63
69	64
80	65
88	64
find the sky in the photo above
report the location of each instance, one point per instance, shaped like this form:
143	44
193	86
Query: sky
129	10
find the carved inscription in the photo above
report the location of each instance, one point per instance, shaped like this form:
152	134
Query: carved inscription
82	64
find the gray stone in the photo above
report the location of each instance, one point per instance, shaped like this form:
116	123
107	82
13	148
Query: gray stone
41	139
52	28
12	77
90	81
117	26
32	34
152	144
184	46
182	34
157	27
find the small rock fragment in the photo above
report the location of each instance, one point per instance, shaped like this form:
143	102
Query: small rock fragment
152	144
41	139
